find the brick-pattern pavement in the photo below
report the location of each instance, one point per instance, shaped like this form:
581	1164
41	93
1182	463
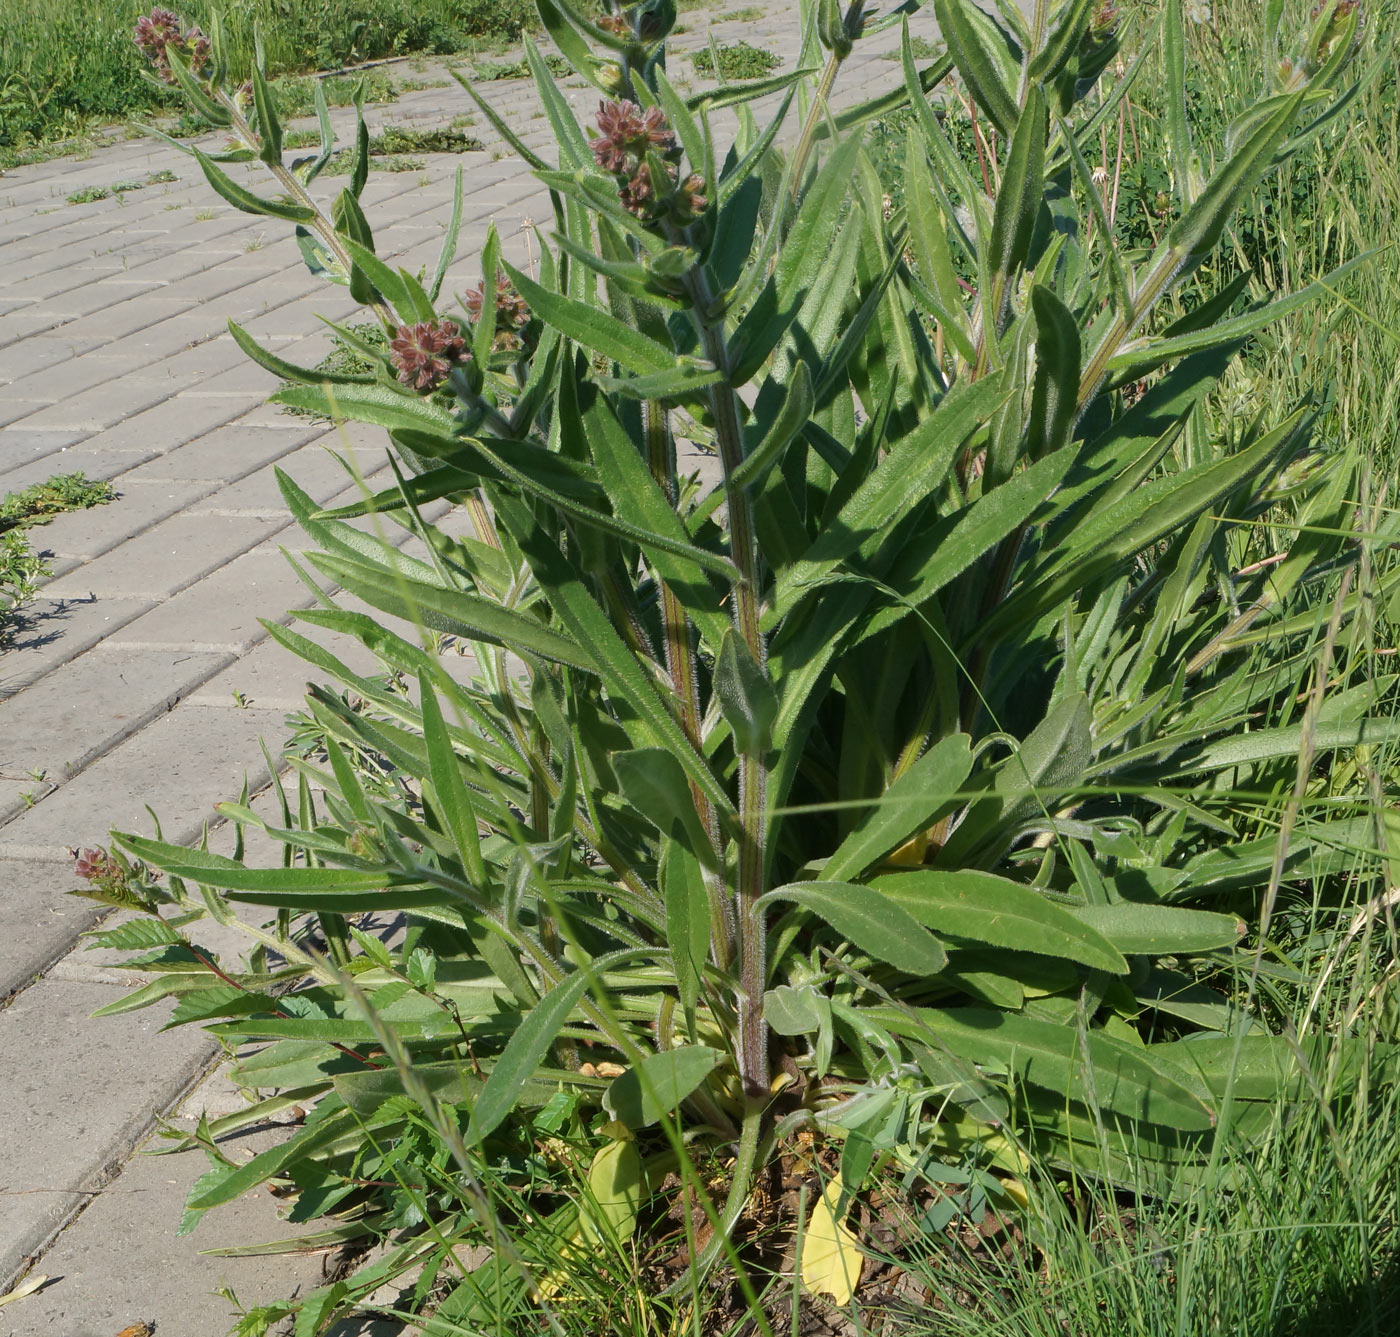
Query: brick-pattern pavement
141	675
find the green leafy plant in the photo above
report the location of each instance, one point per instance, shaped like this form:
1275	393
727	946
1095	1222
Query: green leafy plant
487	71
21	568
859	705
736	60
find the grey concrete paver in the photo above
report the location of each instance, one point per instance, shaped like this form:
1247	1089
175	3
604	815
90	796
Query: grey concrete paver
93	703
49	632
78	458
231	451
165	558
221	613
61	1144
38	922
142	503
179	766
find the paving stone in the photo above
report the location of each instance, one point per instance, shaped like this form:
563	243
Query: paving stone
166	558
168	424
139	505
16	409
180	766
49	632
243	378
221	612
271	677
61	1144
48	386
230	451
312	467
82	458
92	703
23	445
39	922
96	1291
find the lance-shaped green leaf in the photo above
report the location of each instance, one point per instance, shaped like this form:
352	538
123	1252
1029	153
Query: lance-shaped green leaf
909	473
687	919
978	49
1262	745
1062	42
1157	930
801	259
290	371
593	328
484	334
1197	231
952	543
874	923
499	123
269	126
793	416
1124	1079
453	611
449	239
449	790
572	142
606	654
1055	396
244	199
359	162
571	45
746	696
1021	194
655	785
208	107
376	404
238	1180
1174	98
928	239
1111	536
1142	358
634	492
317	165
658	1084
981	907
523	1054
907	807
729	95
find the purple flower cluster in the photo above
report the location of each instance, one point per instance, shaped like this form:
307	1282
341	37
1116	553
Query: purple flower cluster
512	312
630	141
424	354
160	32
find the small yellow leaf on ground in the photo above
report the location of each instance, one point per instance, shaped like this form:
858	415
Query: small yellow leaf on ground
26	1287
615	1182
831	1256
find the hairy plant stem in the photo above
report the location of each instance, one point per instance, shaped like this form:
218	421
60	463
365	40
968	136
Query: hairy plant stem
807	139
680	665
289	182
753	769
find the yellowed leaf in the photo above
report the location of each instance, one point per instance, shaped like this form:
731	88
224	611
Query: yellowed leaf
1015	1190
26	1287
615	1182
831	1256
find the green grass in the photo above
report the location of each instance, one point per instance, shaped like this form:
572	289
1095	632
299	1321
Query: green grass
399	139
21	568
487	71
90	194
737	60
67	65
